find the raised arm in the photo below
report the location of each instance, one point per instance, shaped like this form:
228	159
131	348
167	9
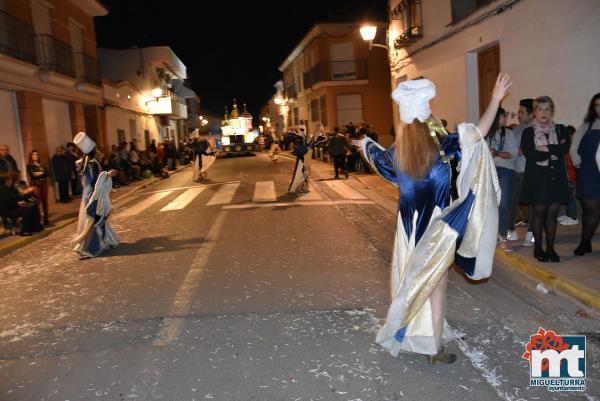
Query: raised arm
500	91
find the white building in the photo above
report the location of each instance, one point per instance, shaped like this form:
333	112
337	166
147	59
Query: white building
142	103
549	47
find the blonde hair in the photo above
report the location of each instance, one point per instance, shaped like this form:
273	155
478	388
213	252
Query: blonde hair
415	150
543	100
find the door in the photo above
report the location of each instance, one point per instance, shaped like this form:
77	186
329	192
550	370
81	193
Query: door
42	18
10	132
488	66
58	124
133	131
76	34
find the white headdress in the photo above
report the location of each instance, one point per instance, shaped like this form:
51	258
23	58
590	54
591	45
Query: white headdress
84	142
413	98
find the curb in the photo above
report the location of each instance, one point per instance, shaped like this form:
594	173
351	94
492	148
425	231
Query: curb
555	281
22	241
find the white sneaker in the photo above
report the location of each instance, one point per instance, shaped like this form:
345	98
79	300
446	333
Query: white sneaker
567	221
512	235
561	218
529	240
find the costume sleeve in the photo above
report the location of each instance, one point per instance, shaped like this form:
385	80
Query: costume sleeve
380	159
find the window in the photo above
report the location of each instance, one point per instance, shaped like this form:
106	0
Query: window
42	17
461	9
296	116
314	110
147	138
120	135
349	109
323	108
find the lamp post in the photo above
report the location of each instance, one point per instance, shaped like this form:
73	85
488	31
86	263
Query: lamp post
368	32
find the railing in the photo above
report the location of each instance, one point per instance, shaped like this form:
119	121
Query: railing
16	38
87	68
335	71
168	93
52	54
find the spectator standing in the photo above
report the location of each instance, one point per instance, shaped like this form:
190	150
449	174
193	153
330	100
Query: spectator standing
61	173
337	148
525	117
38	179
569	218
585	153
545	183
7	163
504	148
73	156
275	149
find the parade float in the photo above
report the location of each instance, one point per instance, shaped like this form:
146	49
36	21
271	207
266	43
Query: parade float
236	130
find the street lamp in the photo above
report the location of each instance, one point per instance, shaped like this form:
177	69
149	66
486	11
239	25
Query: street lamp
368	32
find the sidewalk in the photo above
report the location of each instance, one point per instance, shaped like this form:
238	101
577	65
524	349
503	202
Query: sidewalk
575	276
62	214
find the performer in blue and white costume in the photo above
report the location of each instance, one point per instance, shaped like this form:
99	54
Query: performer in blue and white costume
432	233
94	233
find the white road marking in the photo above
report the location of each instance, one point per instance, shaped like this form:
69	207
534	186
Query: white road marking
171	326
192	186
344	190
264	191
223	195
184	199
143	205
310	196
300	203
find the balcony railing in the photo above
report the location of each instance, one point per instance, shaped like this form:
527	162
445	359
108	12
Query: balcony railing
87	68
16	38
335	71
52	54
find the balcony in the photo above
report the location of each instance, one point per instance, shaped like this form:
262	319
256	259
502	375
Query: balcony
54	55
331	71
168	105
16	38
87	68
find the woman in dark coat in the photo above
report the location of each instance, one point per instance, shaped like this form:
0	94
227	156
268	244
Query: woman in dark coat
38	176
545	184
584	153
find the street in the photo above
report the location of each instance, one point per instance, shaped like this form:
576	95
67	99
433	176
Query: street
235	290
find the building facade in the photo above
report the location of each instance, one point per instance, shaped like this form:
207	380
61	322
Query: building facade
547	46
156	75
49	75
333	78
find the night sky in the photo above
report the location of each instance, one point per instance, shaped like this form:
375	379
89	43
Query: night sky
231	48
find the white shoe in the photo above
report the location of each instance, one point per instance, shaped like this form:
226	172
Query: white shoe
561	218
567	221
529	240
512	235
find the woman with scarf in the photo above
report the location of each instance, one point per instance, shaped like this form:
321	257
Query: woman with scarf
545	182
432	233
94	233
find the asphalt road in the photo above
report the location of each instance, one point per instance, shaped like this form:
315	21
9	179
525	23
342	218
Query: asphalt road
234	290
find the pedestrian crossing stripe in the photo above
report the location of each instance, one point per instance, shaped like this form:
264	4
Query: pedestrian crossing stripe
264	191
184	199
143	205
344	190
264	196
223	195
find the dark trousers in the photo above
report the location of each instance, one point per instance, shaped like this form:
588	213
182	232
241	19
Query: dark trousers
63	191
339	162
75	186
40	190
30	215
